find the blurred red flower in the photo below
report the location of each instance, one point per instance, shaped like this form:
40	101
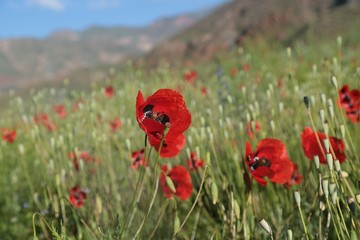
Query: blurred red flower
311	147
8	135
296	178
83	155
246	67
195	163
137	158
250	130
181	179
60	110
44	119
77	196
204	91
233	71
109	91
350	102
269	160
169	148
164	107
115	124
190	76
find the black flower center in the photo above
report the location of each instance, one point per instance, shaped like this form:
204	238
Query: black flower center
157	116
260	162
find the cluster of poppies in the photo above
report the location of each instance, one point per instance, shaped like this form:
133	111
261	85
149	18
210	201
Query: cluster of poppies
8	135
349	101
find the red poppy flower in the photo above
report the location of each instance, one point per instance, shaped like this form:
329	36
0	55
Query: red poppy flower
60	110
350	102
233	71
115	124
169	149
137	158
77	196
83	155
204	91
8	135
246	67
109	91
296	178
269	160
43	119
165	106
181	179
190	76
250	131
312	148
194	163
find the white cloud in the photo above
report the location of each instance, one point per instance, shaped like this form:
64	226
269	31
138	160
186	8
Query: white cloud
100	4
56	5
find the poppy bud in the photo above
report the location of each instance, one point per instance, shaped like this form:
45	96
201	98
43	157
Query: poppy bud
331	111
330	161
323	98
339	41
337	166
357	196
306	102
297	198
176	224
325	187
322	206
170	184
288	52
326	144
342	130
326	128
334	81
21	149
99	206
265	226
290	234
237	209
214	192
322	115
317	161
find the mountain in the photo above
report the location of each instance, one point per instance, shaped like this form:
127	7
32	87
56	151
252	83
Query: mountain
27	60
282	21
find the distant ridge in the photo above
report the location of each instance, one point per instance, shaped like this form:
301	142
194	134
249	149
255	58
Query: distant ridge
284	21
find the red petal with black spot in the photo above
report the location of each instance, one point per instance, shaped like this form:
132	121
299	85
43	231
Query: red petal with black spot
311	147
194	163
181	179
137	159
77	196
169	149
296	178
269	160
349	100
164	106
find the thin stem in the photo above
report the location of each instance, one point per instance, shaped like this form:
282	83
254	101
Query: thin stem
303	223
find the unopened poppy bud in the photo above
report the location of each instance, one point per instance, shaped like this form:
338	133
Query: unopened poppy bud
326	128
339	41
237	209
248	117
330	161
271	87
317	161
325	187
323	98
322	115
337	166
322	206
272	125
312	98
357	196
176	224
297	198
55	205
331	112
332	187
52	142
202	121
170	184
326	145
334	81
281	107
334	197
128	144
344	174
99	206
342	130
221	109
21	149
264	224
306	102
288	52
289	234
214	192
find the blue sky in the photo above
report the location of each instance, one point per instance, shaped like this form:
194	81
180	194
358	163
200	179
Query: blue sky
39	18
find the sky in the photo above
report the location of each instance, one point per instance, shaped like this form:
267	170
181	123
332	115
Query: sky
39	18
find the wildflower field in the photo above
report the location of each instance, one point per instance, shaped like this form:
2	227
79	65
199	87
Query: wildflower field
260	143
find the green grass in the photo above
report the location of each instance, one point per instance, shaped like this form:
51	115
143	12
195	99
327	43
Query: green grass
35	182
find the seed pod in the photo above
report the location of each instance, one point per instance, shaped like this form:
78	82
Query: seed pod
265	226
214	192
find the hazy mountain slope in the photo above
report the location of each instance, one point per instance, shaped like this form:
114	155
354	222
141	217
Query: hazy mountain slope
283	21
65	51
